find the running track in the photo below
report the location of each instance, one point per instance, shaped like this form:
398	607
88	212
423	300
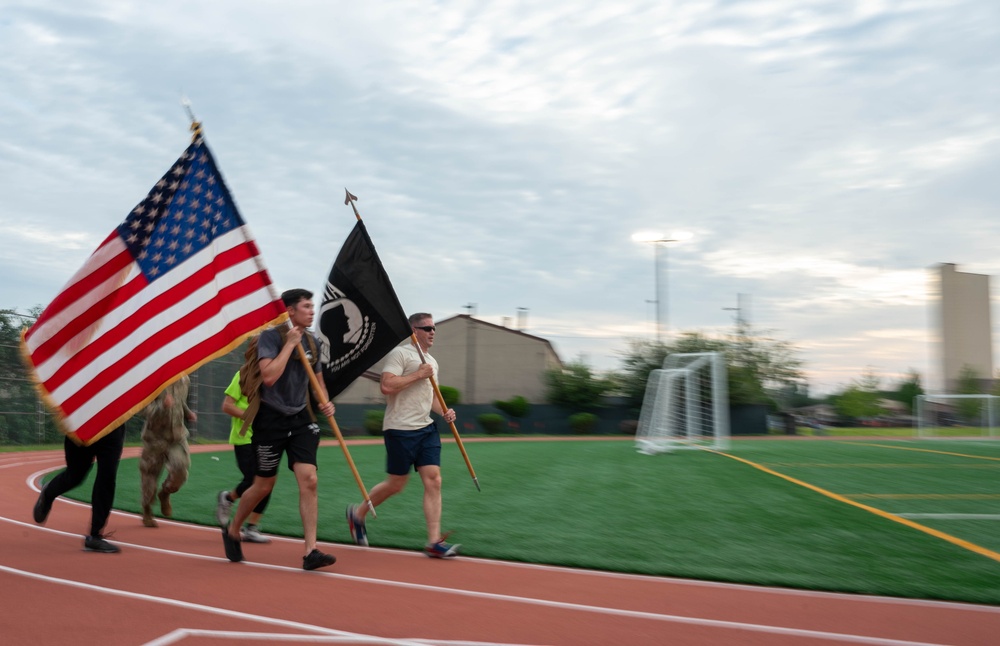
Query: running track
172	585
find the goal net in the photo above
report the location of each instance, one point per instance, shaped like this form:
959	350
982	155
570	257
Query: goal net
954	416
686	405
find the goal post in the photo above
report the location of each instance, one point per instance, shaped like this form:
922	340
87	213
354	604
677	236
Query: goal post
686	405
955	416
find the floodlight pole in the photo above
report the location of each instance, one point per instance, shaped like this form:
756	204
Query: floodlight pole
659	257
659	277
661	301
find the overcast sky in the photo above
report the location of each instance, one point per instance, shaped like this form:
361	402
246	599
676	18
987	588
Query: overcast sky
824	155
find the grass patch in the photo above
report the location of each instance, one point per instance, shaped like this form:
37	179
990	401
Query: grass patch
691	514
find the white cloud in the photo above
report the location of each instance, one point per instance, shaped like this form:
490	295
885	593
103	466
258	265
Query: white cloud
824	155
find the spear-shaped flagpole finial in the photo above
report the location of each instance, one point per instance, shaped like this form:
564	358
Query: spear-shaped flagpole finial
351	199
195	124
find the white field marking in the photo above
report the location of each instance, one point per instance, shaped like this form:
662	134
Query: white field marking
232	614
8	465
953	516
183	633
795	592
562	605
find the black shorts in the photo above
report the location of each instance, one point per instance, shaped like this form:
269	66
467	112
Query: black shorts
406	449
275	433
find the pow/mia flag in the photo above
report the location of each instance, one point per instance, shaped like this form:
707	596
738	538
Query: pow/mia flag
360	318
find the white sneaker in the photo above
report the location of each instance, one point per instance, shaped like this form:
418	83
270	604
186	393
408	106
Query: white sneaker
222	509
251	534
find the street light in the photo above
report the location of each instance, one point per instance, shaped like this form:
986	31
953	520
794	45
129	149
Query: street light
658	240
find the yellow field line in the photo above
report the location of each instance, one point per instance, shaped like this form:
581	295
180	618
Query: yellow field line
911	448
923	496
972	547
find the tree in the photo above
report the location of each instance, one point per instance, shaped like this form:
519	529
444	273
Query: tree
860	399
575	386
969	383
907	390
760	368
770	363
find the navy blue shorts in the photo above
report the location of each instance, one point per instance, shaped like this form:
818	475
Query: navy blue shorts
406	449
275	433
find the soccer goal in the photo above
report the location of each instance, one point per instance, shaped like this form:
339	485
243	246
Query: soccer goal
956	416
686	405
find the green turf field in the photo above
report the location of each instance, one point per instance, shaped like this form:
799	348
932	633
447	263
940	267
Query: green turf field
880	516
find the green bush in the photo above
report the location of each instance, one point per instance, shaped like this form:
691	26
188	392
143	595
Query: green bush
450	395
492	423
582	423
373	421
516	406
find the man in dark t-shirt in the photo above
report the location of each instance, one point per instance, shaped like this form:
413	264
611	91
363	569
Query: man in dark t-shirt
284	425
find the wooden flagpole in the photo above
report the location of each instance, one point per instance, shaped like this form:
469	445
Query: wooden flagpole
333	424
350	199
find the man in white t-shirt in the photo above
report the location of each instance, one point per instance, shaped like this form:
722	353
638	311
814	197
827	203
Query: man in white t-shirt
411	436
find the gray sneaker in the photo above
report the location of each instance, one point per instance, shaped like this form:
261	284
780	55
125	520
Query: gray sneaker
251	534
98	544
222	509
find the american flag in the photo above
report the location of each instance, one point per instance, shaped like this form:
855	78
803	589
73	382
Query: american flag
175	285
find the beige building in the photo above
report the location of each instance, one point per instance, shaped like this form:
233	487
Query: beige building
485	362
964	324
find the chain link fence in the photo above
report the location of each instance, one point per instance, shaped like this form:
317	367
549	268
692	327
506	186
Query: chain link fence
25	420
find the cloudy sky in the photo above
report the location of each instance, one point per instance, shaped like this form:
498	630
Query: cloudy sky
823	155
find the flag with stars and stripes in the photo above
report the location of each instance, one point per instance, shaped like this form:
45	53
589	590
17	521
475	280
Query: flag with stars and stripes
175	285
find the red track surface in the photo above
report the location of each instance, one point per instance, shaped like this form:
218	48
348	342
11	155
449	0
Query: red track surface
173	585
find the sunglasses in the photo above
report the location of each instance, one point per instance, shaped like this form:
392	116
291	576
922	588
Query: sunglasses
425	328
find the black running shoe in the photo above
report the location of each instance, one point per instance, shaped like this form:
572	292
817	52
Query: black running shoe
234	550
317	559
42	507
98	544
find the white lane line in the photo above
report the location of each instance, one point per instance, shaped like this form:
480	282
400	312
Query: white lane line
30	480
273	638
187	605
492	596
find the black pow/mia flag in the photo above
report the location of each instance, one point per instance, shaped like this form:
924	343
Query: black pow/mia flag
360	318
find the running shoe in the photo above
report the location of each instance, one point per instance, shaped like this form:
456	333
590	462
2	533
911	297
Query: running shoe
222	509
317	559
42	507
441	550
234	548
359	533
98	544
251	534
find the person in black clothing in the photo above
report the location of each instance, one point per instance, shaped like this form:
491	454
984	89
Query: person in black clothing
107	451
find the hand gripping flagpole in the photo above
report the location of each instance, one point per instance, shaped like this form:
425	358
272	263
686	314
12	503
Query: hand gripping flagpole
350	199
333	424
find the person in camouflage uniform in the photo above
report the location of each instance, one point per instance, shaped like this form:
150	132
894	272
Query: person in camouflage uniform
164	443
